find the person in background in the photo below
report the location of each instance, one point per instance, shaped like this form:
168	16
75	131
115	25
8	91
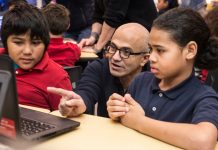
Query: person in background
127	53
63	53
164	5
212	22
81	13
197	5
110	14
170	103
25	36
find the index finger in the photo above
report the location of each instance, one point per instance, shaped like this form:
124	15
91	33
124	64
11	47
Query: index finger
59	91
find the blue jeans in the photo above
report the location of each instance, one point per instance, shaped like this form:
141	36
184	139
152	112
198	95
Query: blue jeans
79	35
194	4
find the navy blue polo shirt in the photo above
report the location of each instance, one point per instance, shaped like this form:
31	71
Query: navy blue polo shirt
188	102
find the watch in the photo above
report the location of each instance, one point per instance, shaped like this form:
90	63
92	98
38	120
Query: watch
95	35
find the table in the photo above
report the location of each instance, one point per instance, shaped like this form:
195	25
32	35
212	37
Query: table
98	133
87	56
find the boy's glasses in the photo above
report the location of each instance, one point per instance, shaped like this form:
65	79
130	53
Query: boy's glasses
124	52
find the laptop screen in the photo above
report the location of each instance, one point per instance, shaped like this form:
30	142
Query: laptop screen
9	107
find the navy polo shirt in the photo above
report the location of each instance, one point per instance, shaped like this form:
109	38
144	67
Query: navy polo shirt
188	102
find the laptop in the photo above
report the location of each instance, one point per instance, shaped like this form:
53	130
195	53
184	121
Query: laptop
22	123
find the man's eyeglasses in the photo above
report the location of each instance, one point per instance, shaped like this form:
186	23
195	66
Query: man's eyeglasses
124	52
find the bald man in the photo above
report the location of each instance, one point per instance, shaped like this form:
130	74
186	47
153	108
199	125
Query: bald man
126	53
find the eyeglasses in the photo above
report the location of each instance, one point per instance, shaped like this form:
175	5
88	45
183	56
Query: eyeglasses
124	52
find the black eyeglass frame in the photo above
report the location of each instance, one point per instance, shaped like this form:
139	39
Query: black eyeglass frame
126	49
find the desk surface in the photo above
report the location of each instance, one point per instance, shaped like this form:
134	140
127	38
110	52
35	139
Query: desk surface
88	55
97	133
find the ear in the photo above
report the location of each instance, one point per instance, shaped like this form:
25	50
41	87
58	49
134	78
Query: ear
144	59
191	50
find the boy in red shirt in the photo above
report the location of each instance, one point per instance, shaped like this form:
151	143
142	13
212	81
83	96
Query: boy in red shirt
25	36
65	54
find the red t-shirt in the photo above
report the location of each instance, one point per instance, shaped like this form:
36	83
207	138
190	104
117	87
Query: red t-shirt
32	84
65	54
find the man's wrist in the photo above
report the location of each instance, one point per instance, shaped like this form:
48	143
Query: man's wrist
95	35
96	49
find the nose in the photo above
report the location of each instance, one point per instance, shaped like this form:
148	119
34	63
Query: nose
152	57
27	50
116	56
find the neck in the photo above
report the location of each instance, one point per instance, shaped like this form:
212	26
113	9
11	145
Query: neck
166	84
55	36
126	80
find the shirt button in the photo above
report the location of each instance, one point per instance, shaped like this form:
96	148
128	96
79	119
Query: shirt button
160	94
16	72
154	108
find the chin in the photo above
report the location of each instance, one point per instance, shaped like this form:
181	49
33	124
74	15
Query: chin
117	74
26	67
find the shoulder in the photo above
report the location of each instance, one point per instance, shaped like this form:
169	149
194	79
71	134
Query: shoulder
144	77
98	64
206	90
55	68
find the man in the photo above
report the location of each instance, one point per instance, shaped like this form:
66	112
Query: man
127	53
110	14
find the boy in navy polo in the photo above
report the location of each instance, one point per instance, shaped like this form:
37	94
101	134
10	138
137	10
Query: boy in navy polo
25	36
170	103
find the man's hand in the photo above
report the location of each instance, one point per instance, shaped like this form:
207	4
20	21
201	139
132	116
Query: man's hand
71	104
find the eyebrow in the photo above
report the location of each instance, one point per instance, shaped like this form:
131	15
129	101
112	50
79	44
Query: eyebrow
129	48
156	46
17	38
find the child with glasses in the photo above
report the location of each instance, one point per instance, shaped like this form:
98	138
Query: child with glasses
170	103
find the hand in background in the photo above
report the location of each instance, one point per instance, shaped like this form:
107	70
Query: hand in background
87	42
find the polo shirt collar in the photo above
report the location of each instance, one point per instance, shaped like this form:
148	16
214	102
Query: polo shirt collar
56	40
174	92
40	66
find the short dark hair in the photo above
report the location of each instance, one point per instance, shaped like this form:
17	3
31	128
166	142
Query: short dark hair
185	25
58	18
22	19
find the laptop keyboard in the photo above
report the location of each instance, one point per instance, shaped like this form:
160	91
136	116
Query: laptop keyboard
30	127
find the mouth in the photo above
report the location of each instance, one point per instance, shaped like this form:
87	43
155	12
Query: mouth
116	67
26	60
154	70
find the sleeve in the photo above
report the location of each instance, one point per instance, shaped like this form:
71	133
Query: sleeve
90	85
54	99
116	12
207	110
98	13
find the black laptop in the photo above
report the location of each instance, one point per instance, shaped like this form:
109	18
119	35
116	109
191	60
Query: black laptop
21	123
